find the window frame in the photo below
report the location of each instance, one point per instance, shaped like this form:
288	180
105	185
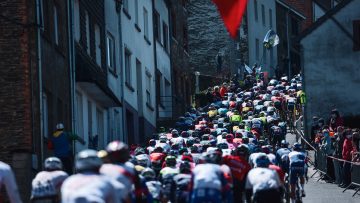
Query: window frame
87	31
256	13
97	41
146	24
128	75
356	35
263	18
111	57
165	29
157	26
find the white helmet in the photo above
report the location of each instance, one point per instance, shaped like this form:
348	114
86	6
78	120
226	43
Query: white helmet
59	126
87	160
52	164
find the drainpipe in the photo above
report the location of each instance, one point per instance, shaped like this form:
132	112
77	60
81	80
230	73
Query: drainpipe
39	61
71	62
122	75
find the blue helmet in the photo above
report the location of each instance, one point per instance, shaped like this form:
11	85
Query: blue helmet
262	160
296	146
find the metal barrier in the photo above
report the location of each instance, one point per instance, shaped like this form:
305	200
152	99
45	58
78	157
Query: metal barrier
355	178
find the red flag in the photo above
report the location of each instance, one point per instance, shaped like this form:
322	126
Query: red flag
231	12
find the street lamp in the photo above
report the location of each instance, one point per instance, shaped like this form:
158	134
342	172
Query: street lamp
197	74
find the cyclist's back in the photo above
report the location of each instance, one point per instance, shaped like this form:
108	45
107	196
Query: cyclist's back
47	183
7	178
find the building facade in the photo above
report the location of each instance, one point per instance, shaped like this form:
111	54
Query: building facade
161	20
261	17
182	82
331	69
138	69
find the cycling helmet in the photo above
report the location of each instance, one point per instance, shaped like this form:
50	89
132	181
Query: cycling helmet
262	160
170	161
185	167
143	160
242	150
265	149
87	160
214	156
118	152
184	134
52	164
297	147
183	150
152	143
187	157
284	144
139	150
175	133
222	145
163	139
148	174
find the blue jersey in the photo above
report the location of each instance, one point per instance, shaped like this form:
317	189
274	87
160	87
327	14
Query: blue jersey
279	153
61	144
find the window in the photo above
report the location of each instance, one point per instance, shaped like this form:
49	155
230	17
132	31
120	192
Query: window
110	45
90	123
263	14
173	24
356	35
116	122
79	115
87	30
256	10
77	20
166	36
185	38
137	12
157	26
56	25
146	24
97	45
270	18
148	89
100	127
257	49
128	67
159	92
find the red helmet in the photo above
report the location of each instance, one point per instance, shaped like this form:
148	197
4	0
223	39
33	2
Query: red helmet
232	104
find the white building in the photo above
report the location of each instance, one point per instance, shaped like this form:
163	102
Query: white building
163	65
98	116
331	58
138	69
261	16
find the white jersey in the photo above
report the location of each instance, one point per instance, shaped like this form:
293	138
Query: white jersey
252	158
208	176
123	173
7	178
84	188
259	179
48	183
295	156
154	188
272	158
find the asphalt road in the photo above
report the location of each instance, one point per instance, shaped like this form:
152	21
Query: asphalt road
322	192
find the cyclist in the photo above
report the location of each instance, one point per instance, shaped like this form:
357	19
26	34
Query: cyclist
88	185
182	182
153	185
166	178
120	169
282	151
47	184
8	180
297	169
262	183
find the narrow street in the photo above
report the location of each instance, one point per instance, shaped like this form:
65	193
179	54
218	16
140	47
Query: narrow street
322	192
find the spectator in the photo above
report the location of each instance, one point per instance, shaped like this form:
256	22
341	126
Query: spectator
346	155
209	95
223	90
338	145
216	94
314	128
336	120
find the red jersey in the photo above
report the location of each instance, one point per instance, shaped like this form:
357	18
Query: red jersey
279	171
238	166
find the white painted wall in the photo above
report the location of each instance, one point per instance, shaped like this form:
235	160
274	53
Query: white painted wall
85	131
115	80
163	59
256	30
141	50
331	67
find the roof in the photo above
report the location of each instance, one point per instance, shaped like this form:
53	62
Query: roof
323	19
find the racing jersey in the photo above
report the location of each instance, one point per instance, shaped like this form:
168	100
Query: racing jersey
260	179
208	176
88	187
272	158
123	173
154	188
279	171
47	183
279	153
7	178
238	166
295	157
252	158
169	170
